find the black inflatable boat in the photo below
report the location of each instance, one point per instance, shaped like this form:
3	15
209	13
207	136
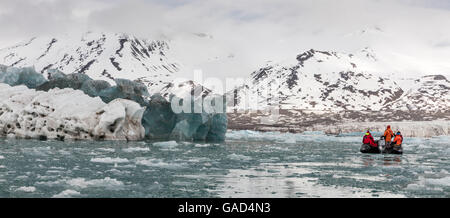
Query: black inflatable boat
382	148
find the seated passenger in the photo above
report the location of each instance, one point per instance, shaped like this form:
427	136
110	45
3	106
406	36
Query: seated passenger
368	139
398	140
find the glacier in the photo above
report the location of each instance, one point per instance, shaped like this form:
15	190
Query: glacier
158	119
66	114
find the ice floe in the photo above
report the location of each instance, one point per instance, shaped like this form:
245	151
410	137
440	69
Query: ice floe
109	160
107	182
136	149
26	189
67	194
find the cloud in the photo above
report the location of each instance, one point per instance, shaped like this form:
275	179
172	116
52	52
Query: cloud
244	33
21	19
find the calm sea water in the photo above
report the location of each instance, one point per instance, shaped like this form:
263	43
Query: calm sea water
248	164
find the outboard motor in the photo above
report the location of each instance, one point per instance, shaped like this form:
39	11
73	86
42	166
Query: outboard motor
382	144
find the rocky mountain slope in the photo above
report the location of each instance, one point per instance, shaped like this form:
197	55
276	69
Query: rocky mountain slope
429	93
332	81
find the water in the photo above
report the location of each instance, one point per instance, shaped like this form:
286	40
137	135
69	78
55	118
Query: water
248	164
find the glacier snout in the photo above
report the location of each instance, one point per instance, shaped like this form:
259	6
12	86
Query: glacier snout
66	114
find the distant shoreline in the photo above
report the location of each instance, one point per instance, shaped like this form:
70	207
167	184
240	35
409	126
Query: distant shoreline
421	125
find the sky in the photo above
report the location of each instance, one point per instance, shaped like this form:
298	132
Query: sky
245	34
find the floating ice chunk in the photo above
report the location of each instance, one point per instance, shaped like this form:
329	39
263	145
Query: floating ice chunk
26	189
169	144
202	145
429	183
67	194
414	187
439	182
107	149
2	157
109	160
158	163
239	157
105	183
136	149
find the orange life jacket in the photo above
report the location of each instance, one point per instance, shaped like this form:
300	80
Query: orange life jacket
398	140
388	134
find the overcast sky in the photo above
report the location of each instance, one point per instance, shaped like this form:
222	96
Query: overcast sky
25	18
253	31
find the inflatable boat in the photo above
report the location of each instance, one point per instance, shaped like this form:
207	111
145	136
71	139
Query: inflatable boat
382	148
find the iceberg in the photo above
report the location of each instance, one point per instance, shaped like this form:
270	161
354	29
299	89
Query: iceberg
94	87
201	125
67	114
158	119
21	76
125	89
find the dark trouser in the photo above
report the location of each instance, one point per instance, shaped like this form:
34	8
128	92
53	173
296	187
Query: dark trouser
388	144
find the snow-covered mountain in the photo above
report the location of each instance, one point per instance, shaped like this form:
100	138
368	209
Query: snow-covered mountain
100	55
429	93
333	81
314	80
321	80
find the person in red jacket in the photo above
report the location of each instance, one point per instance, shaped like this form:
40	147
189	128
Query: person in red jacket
368	139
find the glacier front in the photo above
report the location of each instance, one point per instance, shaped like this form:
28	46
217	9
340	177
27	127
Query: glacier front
158	118
66	114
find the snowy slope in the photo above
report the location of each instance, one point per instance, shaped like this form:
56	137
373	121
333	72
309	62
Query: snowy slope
320	80
99	55
429	93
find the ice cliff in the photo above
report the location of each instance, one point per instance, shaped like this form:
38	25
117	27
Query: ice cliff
158	119
66	114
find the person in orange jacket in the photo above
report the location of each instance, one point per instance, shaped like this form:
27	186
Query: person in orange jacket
388	135
398	140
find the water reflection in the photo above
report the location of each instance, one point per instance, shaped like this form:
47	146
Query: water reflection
368	160
392	161
385	160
